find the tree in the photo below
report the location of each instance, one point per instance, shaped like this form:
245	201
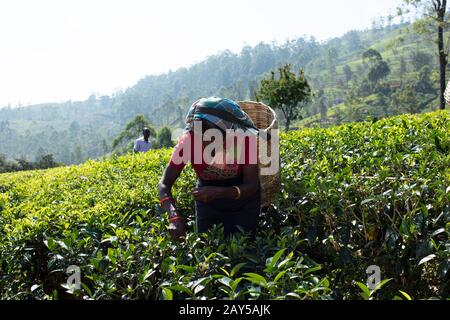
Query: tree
420	59
424	84
331	63
348	73
353	40
252	88
77	155
379	69
164	139
406	100
39	154
74	128
237	91
356	108
4	164
373	55
403	68
434	21
322	104
105	147
46	162
288	93
23	164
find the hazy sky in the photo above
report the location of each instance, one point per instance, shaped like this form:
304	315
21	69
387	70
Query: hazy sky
57	50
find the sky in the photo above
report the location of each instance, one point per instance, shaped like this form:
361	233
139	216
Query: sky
60	50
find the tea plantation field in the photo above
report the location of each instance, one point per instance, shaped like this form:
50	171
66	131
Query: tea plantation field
370	193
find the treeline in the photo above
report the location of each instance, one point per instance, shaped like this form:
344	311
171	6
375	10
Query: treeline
76	131
237	75
382	89
19	164
70	142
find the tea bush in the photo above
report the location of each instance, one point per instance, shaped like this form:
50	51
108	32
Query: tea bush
370	193
374	193
104	217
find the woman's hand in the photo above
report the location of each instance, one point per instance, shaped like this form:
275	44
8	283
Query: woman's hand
177	229
206	194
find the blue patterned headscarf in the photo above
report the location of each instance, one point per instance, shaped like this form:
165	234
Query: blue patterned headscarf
222	104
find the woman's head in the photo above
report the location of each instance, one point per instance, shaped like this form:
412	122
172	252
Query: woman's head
222	113
207	125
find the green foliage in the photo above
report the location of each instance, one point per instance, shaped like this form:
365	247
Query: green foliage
379	69
105	218
352	196
288	93
164	138
432	23
348	73
373	55
123	143
373	95
60	129
420	59
44	162
406	99
374	193
75	131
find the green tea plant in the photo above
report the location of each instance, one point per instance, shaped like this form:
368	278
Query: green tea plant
105	218
369	193
374	193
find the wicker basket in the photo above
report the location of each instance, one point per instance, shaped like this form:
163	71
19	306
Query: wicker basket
265	119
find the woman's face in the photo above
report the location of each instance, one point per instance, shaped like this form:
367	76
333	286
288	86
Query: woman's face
206	125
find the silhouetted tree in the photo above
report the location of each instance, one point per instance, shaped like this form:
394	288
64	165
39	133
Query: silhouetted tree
288	92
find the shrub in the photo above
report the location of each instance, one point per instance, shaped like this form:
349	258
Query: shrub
374	194
371	193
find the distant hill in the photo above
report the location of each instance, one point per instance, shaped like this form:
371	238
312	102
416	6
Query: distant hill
76	131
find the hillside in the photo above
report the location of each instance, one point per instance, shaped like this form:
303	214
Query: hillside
352	196
400	48
75	131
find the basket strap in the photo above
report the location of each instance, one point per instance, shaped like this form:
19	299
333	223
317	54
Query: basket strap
228	117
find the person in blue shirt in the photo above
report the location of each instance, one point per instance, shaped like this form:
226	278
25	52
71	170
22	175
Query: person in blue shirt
143	144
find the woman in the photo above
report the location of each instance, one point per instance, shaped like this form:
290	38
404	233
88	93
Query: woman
227	192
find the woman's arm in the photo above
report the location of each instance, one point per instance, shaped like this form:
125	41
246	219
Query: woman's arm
177	227
248	188
168	179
